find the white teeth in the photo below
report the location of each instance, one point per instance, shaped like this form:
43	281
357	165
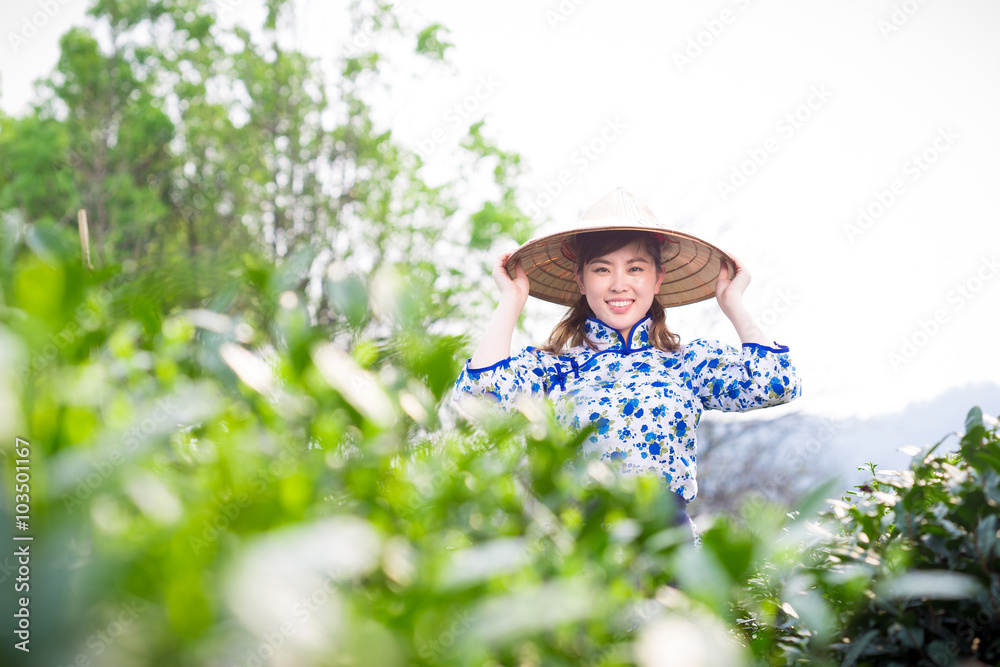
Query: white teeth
619	304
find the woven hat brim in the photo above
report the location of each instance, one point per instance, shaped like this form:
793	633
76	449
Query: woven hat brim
691	266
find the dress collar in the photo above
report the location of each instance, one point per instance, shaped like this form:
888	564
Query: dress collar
607	338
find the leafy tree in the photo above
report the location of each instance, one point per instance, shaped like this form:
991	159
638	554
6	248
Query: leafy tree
33	181
216	148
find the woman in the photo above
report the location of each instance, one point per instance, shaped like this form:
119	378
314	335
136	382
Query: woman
612	361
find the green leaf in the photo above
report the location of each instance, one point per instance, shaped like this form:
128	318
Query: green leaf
430	41
986	536
350	299
858	647
974	418
932	584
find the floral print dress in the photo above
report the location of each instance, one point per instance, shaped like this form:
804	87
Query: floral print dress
646	403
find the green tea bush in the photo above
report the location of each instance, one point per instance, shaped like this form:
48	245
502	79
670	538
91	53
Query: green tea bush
228	487
223	485
908	574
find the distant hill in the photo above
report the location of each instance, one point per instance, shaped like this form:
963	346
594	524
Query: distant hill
879	438
787	456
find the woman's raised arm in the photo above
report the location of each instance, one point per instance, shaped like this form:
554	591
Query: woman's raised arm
729	293
495	345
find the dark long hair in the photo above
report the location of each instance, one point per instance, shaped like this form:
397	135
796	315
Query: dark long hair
586	246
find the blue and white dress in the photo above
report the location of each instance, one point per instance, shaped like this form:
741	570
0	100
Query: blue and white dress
646	403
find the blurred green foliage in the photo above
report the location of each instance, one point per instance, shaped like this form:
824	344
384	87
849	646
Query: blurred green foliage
210	491
229	487
241	447
910	573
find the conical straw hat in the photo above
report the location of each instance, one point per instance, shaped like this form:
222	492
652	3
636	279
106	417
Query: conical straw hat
691	265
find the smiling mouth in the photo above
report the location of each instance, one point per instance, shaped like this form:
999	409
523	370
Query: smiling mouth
624	303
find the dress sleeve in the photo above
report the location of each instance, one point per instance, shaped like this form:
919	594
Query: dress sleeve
504	380
736	380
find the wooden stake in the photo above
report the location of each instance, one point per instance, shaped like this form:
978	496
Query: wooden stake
81	222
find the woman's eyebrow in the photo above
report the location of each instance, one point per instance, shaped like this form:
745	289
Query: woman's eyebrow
600	260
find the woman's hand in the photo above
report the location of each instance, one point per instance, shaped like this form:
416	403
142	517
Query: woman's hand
495	345
729	293
729	289
516	288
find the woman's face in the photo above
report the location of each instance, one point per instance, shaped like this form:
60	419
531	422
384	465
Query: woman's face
620	286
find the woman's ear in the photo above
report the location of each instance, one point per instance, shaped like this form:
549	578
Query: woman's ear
660	276
579	281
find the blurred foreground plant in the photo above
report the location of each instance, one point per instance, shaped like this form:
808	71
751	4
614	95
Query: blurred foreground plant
228	487
909	574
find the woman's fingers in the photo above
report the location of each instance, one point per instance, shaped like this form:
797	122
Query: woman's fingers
500	265
503	280
519	271
518	285
741	271
732	284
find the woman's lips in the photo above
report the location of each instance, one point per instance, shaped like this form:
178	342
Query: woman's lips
620	305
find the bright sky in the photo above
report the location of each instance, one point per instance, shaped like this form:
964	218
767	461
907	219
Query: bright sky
847	152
